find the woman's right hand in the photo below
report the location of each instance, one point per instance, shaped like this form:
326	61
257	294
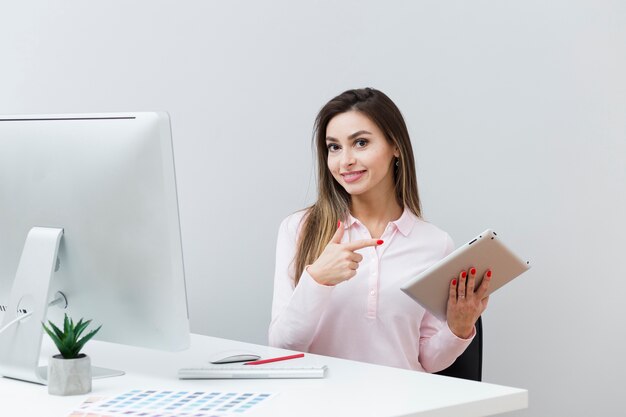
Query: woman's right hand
339	261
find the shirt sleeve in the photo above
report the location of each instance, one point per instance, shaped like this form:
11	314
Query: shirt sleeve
439	347
296	310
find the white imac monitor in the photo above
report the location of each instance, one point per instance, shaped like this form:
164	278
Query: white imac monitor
89	217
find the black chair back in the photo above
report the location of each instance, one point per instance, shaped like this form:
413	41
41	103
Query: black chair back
470	364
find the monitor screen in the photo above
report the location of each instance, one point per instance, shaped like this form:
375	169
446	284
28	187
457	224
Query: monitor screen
108	181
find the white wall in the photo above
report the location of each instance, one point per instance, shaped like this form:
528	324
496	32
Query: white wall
517	112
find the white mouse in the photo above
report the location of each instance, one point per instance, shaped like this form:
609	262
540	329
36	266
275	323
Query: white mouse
231	356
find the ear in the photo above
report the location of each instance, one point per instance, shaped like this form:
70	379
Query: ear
396	152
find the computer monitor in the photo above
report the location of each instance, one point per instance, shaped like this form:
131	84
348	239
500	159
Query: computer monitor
88	209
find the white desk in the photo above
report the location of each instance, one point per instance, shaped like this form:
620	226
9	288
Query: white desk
350	388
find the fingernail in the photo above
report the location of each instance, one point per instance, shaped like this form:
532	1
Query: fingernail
379	242
488	274
338	223
453	282
473	271
463	274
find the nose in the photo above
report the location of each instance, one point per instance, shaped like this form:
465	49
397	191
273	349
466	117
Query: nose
347	159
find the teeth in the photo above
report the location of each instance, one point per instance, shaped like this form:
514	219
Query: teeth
352	176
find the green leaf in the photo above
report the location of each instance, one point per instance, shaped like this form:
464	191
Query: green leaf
66	324
57	341
81	326
85	339
72	333
57	331
67	341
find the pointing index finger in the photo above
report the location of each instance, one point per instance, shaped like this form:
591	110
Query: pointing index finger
360	244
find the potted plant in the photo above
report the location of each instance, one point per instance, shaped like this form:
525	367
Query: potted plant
69	373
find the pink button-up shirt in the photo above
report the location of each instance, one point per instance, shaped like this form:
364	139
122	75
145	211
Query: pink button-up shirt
366	318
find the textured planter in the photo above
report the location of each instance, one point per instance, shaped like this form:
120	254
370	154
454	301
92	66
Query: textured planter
69	376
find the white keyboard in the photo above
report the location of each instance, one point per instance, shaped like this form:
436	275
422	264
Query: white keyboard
251	371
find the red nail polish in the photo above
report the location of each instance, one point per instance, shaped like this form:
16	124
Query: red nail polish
463	274
473	271
453	282
379	242
488	274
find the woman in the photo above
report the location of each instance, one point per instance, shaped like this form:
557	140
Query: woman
340	263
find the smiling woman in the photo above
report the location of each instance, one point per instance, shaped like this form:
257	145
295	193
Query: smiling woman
360	160
340	263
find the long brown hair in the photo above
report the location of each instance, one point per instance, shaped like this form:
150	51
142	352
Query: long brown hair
333	201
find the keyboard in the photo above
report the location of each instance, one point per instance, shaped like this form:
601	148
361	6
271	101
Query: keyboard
251	372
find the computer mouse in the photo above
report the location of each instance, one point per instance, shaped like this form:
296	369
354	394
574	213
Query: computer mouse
231	356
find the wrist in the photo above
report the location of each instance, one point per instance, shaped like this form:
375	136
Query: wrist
310	269
461	333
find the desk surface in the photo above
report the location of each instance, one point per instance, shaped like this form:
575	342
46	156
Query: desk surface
350	388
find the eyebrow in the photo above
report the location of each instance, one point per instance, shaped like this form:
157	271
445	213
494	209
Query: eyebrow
352	136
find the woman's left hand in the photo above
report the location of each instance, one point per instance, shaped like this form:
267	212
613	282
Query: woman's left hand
465	304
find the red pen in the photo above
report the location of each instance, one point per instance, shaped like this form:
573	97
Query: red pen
282	358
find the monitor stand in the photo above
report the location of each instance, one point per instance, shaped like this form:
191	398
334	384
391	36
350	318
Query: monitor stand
21	329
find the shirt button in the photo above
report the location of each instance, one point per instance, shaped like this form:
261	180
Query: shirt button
372	292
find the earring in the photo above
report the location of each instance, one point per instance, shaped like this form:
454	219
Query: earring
397	162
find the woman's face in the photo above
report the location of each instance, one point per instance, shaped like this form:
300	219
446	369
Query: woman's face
359	156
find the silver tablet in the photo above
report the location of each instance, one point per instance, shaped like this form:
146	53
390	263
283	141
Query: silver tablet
486	251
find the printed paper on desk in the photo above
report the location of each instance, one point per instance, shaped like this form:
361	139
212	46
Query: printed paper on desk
170	403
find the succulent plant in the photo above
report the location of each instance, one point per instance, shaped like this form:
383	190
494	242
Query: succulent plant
68	340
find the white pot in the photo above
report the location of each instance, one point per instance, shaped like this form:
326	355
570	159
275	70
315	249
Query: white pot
69	376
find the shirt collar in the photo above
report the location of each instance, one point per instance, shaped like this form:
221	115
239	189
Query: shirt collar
404	224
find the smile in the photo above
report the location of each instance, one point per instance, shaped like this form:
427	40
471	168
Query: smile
352	176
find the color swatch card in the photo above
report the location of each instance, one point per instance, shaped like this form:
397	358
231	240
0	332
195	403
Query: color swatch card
154	403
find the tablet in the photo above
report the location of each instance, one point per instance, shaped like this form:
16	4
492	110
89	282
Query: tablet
486	251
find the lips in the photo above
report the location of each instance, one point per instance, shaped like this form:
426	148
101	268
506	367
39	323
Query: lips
352	176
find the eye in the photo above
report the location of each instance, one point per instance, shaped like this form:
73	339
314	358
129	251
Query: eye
360	143
333	147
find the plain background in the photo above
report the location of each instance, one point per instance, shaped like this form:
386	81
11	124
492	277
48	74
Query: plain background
517	111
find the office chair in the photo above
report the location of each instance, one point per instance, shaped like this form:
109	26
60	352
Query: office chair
470	364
